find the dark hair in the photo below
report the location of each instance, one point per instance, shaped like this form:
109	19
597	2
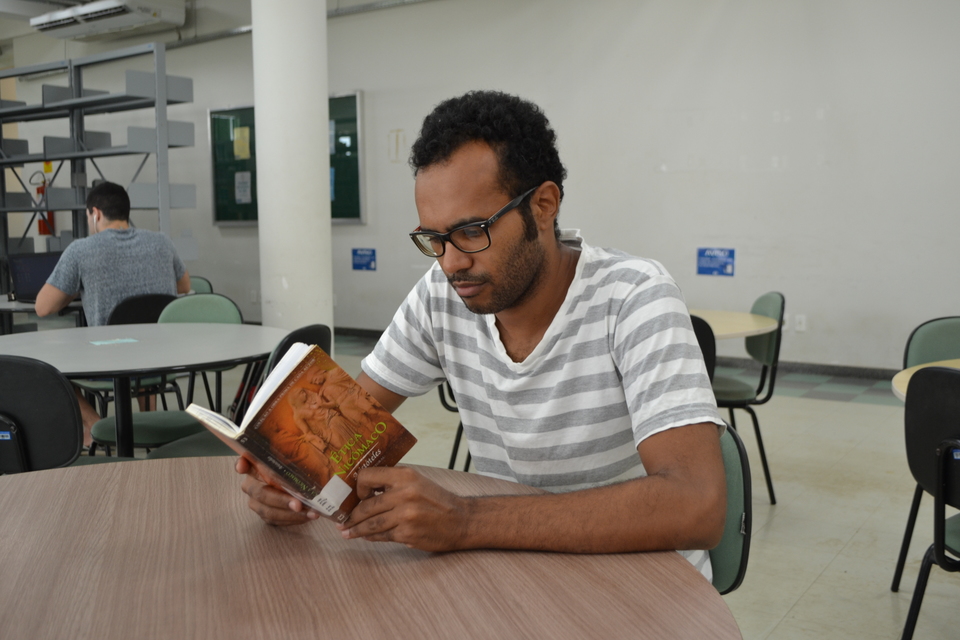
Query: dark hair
111	199
517	131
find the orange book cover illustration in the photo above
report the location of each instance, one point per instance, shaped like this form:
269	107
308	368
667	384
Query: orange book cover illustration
310	430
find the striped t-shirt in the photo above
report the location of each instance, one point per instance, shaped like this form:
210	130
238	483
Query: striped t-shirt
619	363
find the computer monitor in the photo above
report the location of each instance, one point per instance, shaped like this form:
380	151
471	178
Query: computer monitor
29	272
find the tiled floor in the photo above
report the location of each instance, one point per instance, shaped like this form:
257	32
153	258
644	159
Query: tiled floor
824	387
822	559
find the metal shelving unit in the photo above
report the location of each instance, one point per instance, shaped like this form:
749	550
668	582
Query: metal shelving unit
142	90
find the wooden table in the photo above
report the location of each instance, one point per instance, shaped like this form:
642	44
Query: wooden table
126	351
902	379
735	324
169	549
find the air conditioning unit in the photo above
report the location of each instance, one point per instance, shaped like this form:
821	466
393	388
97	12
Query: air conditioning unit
106	16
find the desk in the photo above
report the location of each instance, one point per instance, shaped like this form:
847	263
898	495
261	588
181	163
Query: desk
735	324
902	379
9	307
142	350
169	549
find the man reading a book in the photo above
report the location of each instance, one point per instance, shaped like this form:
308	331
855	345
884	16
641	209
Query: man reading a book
575	368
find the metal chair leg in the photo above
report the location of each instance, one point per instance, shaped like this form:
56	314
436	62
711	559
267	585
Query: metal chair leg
456	446
907	535
763	454
911	623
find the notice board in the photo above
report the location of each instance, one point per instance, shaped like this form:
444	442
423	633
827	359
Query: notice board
346	186
233	146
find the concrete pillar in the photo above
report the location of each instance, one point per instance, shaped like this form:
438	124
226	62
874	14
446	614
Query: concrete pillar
293	163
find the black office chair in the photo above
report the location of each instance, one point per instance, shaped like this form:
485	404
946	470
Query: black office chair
932	434
707	342
205	443
40	424
930	341
732	394
451	405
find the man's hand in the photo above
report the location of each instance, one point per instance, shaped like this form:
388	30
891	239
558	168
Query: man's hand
271	504
400	505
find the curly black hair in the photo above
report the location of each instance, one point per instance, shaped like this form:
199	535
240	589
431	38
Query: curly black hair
516	129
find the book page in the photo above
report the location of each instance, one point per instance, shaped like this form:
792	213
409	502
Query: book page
281	370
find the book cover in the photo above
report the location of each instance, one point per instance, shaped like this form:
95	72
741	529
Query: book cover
316	429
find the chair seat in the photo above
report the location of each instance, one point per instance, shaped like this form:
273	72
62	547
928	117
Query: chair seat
203	444
107	385
150	429
731	390
84	461
951	537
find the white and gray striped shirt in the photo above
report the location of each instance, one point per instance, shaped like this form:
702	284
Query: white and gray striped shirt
619	363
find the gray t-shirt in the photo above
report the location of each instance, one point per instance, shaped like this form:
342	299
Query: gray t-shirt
115	264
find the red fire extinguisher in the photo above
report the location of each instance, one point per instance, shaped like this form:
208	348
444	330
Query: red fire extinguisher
45	227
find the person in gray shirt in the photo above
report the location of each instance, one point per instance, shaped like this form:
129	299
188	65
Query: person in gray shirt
115	262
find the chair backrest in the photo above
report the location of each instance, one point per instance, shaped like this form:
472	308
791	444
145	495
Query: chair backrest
937	339
143	309
729	558
765	348
39	417
708	343
199	284
932	415
202	307
318	334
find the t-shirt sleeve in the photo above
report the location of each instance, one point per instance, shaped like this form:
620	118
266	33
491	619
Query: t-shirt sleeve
664	378
178	267
406	360
66	275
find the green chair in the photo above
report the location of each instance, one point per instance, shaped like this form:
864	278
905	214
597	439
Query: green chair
199	284
154	429
932	437
729	558
204	307
203	444
732	393
207	444
40	424
933	340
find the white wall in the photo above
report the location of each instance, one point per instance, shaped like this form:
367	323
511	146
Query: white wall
817	138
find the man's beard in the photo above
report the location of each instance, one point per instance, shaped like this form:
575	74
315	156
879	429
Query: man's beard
522	273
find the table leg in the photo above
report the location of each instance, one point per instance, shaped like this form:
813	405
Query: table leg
124	416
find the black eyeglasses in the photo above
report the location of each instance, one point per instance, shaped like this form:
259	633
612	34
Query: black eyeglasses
470	238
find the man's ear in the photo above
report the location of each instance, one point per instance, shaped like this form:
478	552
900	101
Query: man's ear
545	205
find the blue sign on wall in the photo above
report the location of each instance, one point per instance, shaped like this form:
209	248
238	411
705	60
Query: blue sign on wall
715	262
364	259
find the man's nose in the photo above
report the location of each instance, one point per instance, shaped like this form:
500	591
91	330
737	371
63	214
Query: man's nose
454	260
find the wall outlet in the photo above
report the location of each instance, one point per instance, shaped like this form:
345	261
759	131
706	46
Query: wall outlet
786	322
800	322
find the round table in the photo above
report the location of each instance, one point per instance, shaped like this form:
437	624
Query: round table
735	324
169	549
125	351
902	379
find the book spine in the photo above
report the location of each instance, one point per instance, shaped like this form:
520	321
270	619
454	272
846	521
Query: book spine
265	455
